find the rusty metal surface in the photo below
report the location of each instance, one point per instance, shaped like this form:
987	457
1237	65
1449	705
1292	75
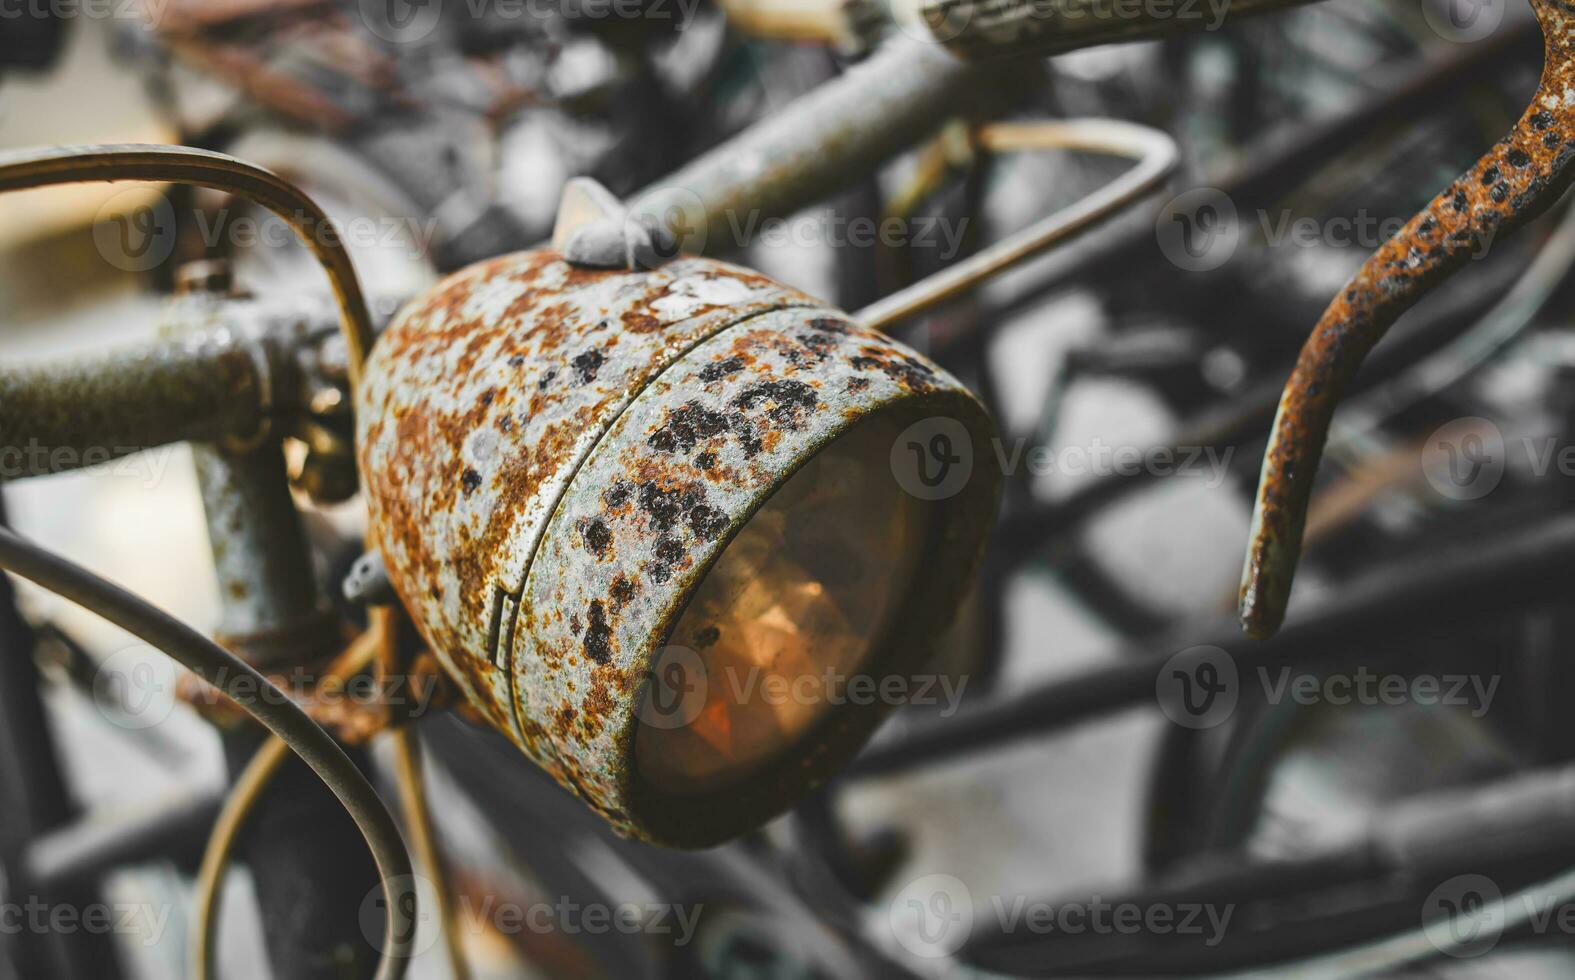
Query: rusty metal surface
271	613
66	413
981	29
486	396
225	369
1514	182
652	509
555	456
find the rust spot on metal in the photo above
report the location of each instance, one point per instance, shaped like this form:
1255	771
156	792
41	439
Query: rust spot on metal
637	322
598	637
785	402
909	372
721	369
563	721
596	536
586	365
1514	182
623	590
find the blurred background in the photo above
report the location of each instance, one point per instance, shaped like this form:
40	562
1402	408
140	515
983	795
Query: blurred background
1321	127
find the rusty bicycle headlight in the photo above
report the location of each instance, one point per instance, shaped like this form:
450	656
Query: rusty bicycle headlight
670	529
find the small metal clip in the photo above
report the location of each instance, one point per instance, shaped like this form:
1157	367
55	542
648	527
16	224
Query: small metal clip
594	230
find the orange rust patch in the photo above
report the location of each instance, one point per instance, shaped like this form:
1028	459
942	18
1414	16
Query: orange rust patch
637	322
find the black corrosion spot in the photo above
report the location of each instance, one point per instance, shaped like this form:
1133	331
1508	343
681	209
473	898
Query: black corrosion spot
617	495
904	370
669	552
1518	157
596	536
622	591
587	364
721	369
789	400
598	636
686	426
818	344
707	637
470	480
707	522
663	506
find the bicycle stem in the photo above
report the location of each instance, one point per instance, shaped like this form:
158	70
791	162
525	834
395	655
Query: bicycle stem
1523	175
